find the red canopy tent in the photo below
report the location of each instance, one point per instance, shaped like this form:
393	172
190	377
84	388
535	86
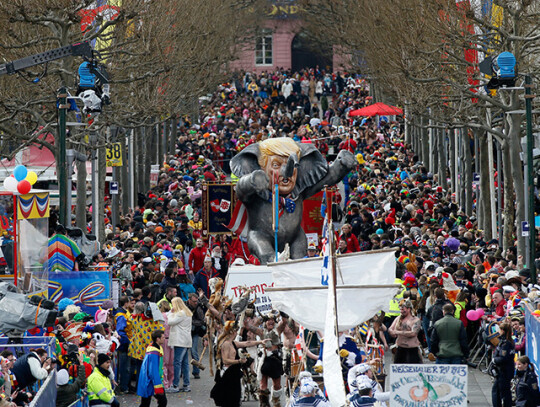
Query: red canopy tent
377	109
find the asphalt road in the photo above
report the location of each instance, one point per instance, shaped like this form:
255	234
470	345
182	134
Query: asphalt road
199	395
479	391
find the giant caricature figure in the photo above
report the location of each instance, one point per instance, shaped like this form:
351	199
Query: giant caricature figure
302	171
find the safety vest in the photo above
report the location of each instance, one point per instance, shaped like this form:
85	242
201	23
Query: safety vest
100	388
394	303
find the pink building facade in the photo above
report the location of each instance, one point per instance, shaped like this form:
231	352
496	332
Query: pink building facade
281	43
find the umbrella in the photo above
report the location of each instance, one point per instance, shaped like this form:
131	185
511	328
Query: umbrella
377	109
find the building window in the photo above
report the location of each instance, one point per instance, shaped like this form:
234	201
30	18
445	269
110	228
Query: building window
263	48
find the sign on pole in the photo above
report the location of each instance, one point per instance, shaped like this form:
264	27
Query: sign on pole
428	385
114	155
217	205
113	188
258	278
154	175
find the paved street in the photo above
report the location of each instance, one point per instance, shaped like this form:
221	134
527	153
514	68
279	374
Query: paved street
479	392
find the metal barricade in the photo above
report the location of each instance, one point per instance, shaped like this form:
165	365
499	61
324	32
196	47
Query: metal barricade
46	392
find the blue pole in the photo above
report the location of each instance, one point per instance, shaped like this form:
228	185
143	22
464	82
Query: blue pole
276	212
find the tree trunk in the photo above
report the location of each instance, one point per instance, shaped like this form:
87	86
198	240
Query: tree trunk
173	136
425	143
484	188
442	159
452	141
102	171
433	153
517	178
467	171
509	217
124	179
148	155
80	208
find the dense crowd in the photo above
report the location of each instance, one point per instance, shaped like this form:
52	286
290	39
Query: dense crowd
454	283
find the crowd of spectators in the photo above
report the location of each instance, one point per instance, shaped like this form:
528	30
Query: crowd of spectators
162	257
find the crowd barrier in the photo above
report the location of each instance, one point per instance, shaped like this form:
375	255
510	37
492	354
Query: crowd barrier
81	402
532	328
46	392
20	346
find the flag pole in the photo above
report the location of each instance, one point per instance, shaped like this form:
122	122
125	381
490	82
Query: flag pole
275	211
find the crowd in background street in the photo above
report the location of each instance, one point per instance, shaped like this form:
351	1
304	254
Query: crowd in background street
161	255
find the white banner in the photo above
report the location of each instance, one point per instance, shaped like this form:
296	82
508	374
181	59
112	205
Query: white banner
355	305
257	277
428	385
333	377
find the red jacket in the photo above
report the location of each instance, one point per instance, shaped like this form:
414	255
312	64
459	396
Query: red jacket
196	259
352	243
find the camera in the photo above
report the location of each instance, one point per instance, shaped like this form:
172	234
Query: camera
72	354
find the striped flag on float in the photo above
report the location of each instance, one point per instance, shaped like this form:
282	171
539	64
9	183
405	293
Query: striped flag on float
299	342
239	220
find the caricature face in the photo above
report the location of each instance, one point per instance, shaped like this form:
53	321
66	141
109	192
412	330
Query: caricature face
277	164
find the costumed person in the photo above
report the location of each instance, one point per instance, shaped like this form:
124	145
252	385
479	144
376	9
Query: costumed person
151	374
503	359
308	395
271	366
364	397
349	354
227	391
100	392
364	369
405	329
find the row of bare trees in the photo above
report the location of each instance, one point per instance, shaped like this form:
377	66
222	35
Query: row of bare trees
161	55
424	55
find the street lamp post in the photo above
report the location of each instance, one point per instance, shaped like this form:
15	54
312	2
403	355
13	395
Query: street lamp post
62	164
530	178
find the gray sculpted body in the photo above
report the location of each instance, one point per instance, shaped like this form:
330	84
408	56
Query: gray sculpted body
301	171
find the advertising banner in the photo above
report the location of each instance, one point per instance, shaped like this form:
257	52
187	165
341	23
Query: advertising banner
532	328
217	202
87	288
428	385
257	278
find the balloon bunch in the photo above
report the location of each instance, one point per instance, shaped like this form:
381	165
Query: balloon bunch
21	180
475	315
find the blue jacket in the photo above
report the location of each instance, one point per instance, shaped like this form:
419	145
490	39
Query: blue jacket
362	401
121	325
151	375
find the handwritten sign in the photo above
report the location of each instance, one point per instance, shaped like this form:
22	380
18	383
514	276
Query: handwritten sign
428	385
257	278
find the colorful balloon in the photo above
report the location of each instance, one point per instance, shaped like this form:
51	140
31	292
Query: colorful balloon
24	187
472	315
480	312
10	184
20	172
31	177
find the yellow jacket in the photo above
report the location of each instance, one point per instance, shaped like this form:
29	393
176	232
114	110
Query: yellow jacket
100	387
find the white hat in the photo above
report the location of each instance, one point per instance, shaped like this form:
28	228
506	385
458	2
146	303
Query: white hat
362	368
363	382
147	260
511	274
306	387
508	289
239	262
62	377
